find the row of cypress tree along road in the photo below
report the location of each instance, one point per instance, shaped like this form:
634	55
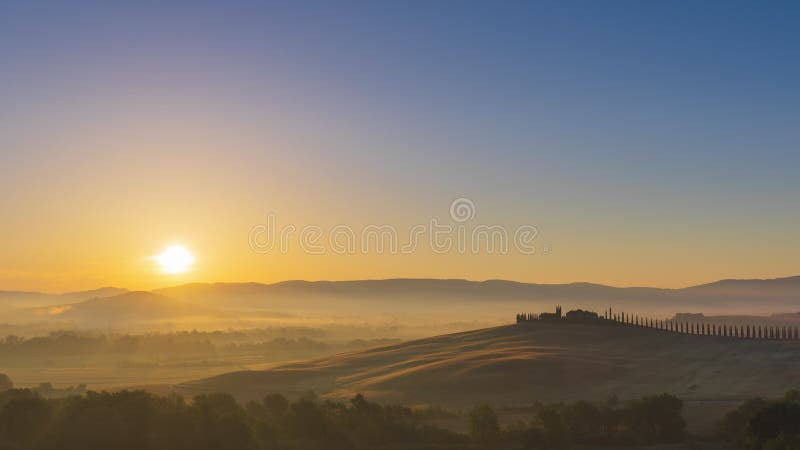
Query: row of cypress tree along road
703	328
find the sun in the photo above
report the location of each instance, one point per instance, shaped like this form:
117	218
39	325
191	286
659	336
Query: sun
175	259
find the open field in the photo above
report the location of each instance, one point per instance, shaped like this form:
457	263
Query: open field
547	362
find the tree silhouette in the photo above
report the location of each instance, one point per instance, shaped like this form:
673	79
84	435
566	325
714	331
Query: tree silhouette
484	427
5	382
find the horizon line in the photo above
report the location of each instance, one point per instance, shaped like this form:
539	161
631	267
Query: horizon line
400	279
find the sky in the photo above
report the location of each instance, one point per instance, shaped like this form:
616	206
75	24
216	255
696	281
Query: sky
647	143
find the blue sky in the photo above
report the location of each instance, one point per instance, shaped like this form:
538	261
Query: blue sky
624	122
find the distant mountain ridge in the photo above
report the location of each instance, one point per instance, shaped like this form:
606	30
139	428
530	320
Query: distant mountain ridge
452	299
793	281
40	299
131	305
729	296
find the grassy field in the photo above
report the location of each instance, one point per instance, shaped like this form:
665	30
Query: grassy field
540	362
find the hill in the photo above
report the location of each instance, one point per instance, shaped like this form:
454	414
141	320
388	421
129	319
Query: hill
542	361
22	299
130	306
415	305
440	295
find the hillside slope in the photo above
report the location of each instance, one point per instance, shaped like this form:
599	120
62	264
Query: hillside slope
18	299
541	361
129	306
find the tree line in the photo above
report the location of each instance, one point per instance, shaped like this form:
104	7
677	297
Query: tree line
138	420
760	424
741	331
648	420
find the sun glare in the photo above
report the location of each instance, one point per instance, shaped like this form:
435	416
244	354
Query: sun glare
175	259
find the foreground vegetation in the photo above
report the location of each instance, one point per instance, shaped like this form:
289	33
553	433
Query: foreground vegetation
138	420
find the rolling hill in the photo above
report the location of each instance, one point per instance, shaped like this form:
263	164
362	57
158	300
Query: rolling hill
414	302
22	299
541	361
723	297
127	307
